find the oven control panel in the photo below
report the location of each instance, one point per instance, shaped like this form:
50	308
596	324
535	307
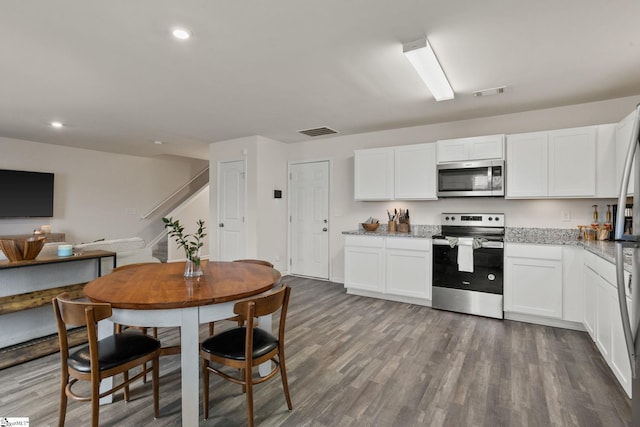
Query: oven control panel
473	219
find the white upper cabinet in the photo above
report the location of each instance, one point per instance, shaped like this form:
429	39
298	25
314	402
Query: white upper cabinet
527	163
373	174
415	172
572	162
607	183
474	148
559	163
622	137
406	172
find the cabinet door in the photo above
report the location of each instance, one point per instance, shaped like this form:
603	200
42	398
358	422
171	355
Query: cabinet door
415	172
590	297
473	148
408	269
620	364
373	174
526	165
534	286
605	300
364	264
452	150
622	137
607	184
486	147
572	162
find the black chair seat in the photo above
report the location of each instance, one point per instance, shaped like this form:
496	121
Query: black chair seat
114	351
230	344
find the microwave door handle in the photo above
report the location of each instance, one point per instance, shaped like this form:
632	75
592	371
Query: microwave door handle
490	178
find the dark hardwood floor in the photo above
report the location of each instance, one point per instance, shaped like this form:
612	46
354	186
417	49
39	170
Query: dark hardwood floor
355	361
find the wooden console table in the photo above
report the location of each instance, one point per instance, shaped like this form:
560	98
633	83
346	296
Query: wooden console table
51	237
26	290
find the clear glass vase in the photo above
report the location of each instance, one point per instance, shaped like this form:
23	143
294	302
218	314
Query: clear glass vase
193	266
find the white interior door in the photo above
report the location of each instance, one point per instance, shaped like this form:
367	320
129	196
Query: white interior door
309	219
231	210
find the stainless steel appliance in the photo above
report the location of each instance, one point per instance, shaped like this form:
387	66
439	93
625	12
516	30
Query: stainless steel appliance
627	245
468	261
469	179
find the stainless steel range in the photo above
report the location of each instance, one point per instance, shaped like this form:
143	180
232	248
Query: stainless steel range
468	260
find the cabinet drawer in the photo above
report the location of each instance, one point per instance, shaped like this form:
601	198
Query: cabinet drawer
533	251
590	260
366	241
607	270
415	244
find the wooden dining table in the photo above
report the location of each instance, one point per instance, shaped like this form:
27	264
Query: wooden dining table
158	294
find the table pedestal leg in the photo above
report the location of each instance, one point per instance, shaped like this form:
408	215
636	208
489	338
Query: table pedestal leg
190	364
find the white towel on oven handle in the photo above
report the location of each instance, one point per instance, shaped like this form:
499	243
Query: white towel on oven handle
465	254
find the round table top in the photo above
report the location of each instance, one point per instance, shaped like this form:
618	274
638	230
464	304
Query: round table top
163	285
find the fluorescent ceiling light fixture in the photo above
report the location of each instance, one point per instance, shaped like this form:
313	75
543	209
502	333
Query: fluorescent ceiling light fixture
181	33
56	125
421	56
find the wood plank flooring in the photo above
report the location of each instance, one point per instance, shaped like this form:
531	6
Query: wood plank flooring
355	361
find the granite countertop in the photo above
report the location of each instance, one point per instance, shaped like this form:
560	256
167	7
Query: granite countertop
540	236
417	231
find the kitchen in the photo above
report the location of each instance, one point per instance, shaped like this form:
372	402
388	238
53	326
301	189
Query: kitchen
369	82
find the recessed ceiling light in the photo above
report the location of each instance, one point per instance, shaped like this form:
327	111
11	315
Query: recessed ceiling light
181	33
56	125
157	142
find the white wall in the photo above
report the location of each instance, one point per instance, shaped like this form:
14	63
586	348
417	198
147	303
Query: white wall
189	212
96	194
271	219
347	213
265	216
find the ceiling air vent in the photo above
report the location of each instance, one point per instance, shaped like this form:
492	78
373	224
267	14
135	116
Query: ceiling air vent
318	131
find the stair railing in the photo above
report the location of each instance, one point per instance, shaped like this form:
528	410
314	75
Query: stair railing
175	193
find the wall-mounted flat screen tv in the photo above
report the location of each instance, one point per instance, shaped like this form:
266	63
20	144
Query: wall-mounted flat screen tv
25	194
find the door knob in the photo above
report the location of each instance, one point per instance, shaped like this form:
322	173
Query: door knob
221	225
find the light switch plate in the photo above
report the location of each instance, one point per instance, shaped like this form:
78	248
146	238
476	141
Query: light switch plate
565	216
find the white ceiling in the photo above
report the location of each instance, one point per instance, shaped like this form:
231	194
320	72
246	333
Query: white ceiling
111	71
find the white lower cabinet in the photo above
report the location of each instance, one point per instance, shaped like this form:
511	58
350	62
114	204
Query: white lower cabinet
590	299
364	262
395	268
533	280
602	316
408	267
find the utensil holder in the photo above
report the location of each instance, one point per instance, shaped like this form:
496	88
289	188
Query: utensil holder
391	227
404	227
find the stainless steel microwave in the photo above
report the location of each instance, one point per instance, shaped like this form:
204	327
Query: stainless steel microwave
470	179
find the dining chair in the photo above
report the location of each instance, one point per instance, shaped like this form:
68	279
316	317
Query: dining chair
236	318
100	359
245	347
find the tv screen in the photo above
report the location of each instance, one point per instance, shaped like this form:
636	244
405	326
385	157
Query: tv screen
25	194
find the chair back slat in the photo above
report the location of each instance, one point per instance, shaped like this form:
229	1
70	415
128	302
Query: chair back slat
263	305
73	313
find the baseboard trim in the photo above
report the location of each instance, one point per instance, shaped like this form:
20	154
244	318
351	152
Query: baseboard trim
39	347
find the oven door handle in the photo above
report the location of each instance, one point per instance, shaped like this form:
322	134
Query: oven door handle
487	244
441	242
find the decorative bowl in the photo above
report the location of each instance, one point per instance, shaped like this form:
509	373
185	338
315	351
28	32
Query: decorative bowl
370	227
22	249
